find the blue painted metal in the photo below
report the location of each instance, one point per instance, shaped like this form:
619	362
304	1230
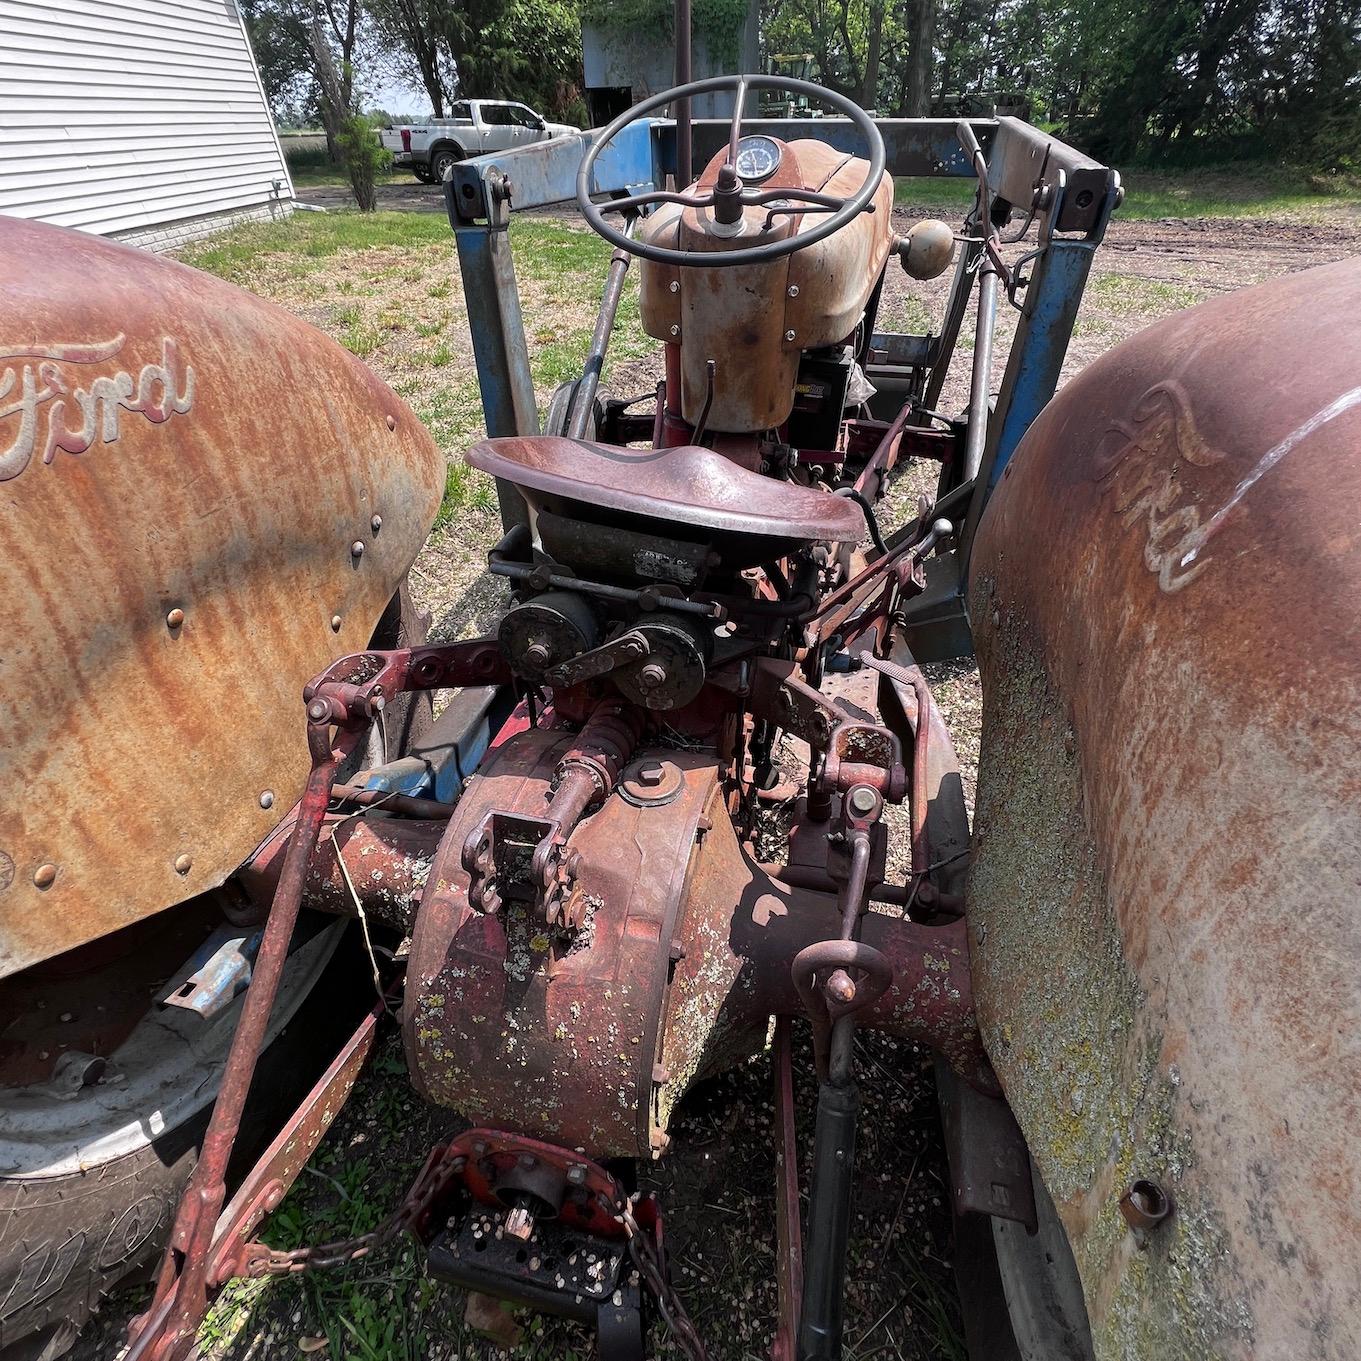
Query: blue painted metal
546	172
439	764
1035	362
217	972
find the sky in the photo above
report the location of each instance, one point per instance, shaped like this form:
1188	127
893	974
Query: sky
399	97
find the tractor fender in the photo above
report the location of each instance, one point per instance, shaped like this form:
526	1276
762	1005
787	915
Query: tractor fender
205	502
1165	915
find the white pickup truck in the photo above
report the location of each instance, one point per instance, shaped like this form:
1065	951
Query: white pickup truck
473	127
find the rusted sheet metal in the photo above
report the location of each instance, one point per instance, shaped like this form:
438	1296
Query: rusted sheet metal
690	486
1166	598
195	486
725	314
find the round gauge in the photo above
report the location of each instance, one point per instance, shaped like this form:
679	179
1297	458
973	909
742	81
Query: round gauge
758	158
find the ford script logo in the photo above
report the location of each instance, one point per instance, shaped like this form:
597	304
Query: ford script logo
50	401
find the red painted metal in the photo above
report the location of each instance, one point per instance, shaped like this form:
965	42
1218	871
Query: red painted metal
344	698
267	1183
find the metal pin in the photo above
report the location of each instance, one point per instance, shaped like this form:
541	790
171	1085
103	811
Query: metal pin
183	864
44	876
175	618
789	335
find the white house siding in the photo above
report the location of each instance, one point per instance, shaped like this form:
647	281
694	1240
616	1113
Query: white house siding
143	119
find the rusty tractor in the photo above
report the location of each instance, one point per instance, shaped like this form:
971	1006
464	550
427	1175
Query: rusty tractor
1137	967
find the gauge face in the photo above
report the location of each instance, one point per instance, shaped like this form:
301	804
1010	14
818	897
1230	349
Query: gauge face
758	158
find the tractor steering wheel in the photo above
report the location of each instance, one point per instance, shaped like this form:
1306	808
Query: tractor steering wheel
729	196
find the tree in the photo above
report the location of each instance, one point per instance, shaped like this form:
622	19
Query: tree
307	50
332	32
507	49
414	29
921	25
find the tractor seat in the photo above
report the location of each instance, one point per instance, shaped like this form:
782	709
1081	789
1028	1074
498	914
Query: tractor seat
686	485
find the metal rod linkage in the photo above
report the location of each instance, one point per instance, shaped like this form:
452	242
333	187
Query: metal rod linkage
682	110
583	399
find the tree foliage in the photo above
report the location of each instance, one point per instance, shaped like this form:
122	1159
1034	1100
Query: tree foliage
1178	79
504	49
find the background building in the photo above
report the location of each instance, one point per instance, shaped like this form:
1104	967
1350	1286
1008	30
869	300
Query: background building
622	66
137	119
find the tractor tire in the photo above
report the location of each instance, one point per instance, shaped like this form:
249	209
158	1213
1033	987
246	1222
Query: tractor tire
560	410
69	1238
1020	1293
67	1241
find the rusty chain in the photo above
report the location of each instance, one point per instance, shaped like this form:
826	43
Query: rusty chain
643	1251
430	1184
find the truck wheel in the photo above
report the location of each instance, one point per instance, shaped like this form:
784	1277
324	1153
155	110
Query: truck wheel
422	173
441	159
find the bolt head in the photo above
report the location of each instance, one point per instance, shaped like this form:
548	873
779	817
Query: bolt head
376	523
183	864
357	548
652	675
175	618
267	799
335	623
789	335
793	290
392	422
317	710
841	987
576	1174
675	330
862	800
675	285
44	876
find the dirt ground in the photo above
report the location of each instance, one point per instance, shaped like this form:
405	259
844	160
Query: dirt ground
717	1186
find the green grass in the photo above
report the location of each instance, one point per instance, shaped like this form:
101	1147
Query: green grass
1253	190
311	168
560	269
316	236
1237	191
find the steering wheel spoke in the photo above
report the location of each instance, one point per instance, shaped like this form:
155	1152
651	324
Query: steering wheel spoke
839	211
636	201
